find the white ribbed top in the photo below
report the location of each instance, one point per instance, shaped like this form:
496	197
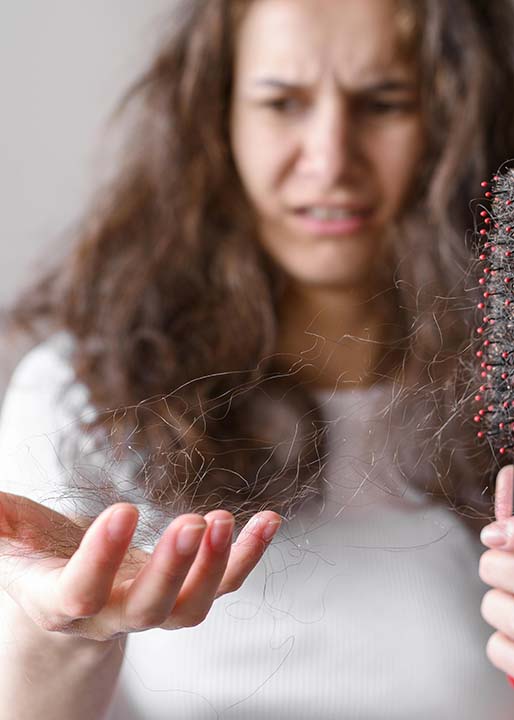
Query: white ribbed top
368	608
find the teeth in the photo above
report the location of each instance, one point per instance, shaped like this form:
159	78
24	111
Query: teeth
329	213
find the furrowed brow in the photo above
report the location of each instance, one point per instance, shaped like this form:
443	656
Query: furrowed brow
278	84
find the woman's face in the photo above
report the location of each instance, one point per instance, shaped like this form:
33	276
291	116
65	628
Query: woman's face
326	133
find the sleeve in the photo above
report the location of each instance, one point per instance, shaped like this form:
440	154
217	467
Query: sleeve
41	409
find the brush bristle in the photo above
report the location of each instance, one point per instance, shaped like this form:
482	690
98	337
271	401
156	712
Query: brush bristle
495	397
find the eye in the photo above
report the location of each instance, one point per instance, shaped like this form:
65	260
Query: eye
388	107
285	105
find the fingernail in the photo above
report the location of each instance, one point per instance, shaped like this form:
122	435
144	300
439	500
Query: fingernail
189	538
493	536
250	528
270	529
221	534
118	528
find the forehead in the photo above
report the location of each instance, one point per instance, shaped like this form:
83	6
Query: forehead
303	39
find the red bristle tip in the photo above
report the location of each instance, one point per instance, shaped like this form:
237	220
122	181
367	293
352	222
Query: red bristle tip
501	425
483	231
482	257
477	418
488	194
479	353
487	221
481	306
478	398
484	183
504	376
505	355
508	202
480	434
483	213
480	330
502	451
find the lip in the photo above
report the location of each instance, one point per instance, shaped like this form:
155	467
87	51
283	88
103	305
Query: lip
359	218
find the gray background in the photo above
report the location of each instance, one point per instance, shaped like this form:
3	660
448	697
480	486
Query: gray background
64	64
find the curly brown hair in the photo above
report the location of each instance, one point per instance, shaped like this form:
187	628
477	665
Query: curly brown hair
172	304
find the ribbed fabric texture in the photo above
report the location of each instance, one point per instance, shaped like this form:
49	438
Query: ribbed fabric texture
368	608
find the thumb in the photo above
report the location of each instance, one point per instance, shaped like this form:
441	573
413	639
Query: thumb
30	525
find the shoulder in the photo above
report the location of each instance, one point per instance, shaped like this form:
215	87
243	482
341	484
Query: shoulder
42	406
45	365
43	389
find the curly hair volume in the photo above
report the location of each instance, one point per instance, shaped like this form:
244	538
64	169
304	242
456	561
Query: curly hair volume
172	303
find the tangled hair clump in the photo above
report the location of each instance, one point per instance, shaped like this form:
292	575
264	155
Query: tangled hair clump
173	305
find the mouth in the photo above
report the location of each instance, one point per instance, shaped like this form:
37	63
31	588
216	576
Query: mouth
327	219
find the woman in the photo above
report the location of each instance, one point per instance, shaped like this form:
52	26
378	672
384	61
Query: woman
262	315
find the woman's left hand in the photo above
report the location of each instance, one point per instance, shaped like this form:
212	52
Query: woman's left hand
497	569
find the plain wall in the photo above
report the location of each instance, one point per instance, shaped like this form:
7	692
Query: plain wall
64	64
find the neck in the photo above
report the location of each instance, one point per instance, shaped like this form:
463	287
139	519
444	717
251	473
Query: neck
337	338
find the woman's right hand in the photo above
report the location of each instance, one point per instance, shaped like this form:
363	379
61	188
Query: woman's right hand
91	583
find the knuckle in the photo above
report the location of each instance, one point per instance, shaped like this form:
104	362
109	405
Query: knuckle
51	624
491	647
196	618
81	607
145	621
231	586
510	627
484	567
485	605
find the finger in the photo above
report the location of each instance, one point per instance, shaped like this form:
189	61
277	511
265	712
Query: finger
497	609
248	550
496	568
499	535
503	495
202	581
500	651
85	583
152	595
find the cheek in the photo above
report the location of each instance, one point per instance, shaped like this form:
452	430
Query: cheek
399	164
261	163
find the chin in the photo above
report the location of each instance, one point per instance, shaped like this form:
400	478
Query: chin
328	280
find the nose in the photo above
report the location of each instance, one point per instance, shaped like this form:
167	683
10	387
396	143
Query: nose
330	149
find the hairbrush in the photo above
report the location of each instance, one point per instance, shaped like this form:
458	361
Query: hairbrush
496	331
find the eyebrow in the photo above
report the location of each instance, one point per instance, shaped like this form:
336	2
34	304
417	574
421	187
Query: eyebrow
391	85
